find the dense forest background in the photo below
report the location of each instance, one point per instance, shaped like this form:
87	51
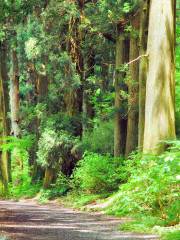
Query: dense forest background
89	105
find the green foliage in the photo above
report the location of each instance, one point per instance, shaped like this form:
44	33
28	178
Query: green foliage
22	144
58	189
100	139
97	174
142	223
74	199
53	147
172	235
31	48
21	180
52	38
103	103
152	187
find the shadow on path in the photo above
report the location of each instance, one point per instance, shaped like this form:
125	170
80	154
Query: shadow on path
26	220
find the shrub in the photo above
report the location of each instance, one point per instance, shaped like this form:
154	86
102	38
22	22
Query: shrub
97	174
152	187
56	151
60	188
21	180
100	140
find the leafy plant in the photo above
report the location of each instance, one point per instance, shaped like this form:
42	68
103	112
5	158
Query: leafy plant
171	235
21	179
58	189
152	187
100	139
96	173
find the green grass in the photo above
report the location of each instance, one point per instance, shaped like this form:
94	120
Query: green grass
24	191
142	224
174	235
80	200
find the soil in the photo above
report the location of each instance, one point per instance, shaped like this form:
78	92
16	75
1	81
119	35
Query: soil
27	220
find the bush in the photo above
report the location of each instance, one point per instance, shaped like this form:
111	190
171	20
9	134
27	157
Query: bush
100	140
21	180
58	151
60	188
152	187
97	174
21	185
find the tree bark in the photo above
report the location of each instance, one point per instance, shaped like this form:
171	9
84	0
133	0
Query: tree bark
14	96
48	178
160	89
3	133
133	87
142	70
119	126
41	86
4	75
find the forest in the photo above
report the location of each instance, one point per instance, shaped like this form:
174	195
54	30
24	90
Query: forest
90	108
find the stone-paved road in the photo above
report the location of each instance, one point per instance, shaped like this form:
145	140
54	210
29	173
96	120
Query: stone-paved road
26	220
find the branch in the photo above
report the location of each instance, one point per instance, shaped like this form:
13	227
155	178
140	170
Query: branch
137	59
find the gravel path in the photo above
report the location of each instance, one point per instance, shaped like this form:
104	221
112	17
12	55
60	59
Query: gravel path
26	220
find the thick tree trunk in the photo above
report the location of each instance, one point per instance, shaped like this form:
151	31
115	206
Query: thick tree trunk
119	108
160	89
133	87
48	178
142	70
14	95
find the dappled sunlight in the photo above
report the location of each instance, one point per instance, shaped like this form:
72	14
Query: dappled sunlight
26	221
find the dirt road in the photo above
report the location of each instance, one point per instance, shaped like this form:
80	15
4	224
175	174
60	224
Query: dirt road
26	220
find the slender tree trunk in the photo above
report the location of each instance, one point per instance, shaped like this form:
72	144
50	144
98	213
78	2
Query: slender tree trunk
133	87
4	74
74	97
41	86
14	95
3	133
87	107
119	126
142	70
160	89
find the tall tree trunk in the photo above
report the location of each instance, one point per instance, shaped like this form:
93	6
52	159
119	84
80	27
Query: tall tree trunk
133	87
160	89
14	95
74	97
87	106
4	75
41	86
142	70
119	126
3	133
